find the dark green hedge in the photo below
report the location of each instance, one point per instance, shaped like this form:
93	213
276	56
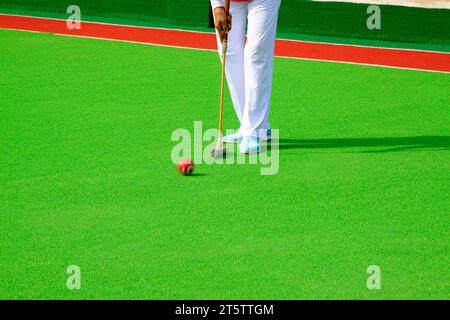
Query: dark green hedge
404	24
187	12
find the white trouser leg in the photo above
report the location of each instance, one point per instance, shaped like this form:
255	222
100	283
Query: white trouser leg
258	64
235	56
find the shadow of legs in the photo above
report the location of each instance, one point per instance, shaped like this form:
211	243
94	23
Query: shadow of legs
393	144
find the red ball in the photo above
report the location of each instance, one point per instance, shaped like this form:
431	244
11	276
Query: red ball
186	167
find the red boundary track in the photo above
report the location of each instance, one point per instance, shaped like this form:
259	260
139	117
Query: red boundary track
398	58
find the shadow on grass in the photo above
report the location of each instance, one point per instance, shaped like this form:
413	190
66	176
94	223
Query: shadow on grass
197	175
389	144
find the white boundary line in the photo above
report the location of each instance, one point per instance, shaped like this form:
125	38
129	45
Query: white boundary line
367	64
204	32
403	3
109	39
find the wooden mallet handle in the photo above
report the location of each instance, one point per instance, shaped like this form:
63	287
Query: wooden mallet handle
222	84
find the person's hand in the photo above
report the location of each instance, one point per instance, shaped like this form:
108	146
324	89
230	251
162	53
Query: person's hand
222	22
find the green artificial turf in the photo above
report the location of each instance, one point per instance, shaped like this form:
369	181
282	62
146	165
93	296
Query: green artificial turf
86	178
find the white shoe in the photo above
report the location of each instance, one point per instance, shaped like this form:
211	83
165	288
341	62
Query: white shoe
250	144
233	138
237	137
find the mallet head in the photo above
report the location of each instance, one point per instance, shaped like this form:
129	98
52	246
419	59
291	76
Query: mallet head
219	151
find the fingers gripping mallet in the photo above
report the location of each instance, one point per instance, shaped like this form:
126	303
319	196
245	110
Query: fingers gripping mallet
220	150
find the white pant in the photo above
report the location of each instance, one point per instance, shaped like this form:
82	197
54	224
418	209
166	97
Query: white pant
249	70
